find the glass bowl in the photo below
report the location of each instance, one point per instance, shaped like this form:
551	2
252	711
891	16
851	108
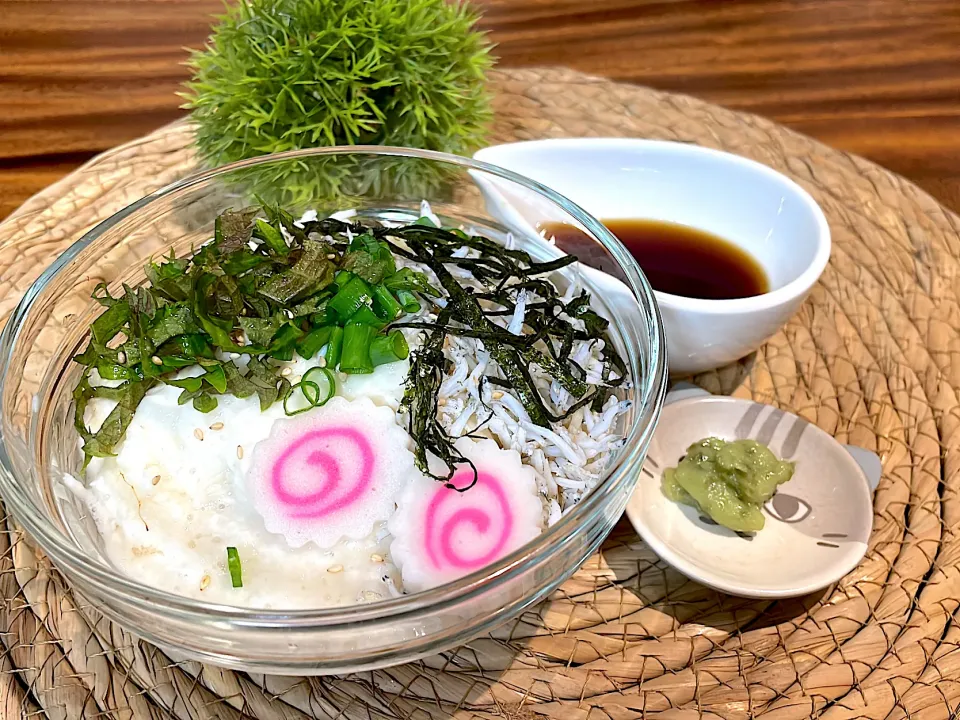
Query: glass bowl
40	445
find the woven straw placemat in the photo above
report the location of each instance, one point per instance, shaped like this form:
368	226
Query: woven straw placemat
873	358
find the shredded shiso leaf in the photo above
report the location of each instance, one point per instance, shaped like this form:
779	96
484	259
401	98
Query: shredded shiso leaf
267	288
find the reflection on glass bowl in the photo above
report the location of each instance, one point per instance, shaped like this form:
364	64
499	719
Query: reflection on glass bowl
39	443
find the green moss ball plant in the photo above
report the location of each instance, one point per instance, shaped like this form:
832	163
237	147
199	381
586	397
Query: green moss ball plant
280	75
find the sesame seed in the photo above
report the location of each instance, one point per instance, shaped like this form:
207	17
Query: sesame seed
331	256
240	452
441	402
217	426
156	479
322	362
156	360
198	433
204	582
121	357
287	372
335	569
497	395
376	557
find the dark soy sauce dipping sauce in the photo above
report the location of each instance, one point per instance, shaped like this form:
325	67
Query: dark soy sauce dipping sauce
676	259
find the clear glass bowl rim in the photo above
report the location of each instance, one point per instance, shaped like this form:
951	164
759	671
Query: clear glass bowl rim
113	583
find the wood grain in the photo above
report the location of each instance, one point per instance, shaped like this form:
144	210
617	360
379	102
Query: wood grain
880	78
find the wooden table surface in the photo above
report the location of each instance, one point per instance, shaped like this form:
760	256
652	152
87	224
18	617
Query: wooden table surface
880	78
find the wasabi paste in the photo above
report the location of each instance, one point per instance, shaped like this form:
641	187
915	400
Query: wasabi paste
727	481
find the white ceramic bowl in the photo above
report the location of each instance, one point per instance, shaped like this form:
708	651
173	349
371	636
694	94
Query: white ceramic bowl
742	201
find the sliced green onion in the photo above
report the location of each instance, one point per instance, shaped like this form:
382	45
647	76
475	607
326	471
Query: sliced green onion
320	377
316	387
388	348
366	316
204	403
385	305
233	562
350	298
408	301
356	349
311	343
293	402
334	347
323	317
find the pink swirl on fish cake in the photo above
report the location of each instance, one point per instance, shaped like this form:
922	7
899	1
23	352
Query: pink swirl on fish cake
442	522
339	483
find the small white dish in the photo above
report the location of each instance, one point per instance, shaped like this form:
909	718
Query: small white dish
817	524
742	201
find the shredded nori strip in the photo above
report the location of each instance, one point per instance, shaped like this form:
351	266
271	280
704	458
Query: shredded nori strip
506	272
420	399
